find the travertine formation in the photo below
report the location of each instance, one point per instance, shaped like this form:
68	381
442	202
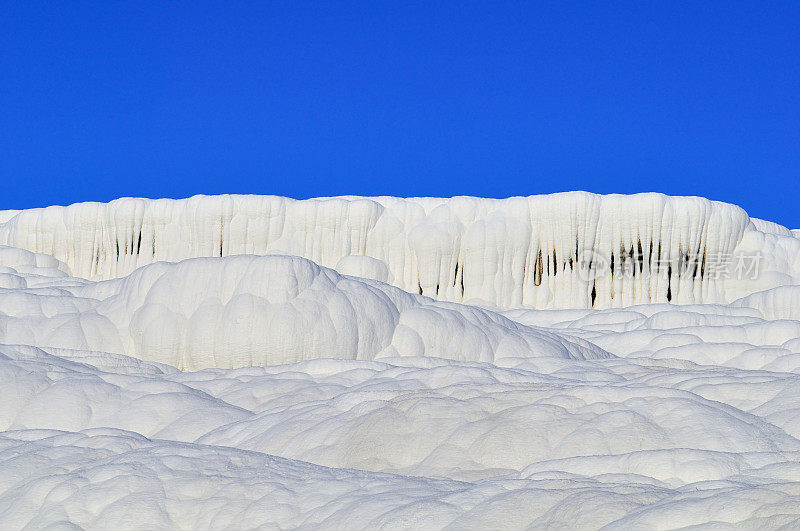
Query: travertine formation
557	251
574	361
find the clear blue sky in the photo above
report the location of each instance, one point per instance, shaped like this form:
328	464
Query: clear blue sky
169	99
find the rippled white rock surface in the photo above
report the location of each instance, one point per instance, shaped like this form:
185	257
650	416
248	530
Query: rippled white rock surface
242	361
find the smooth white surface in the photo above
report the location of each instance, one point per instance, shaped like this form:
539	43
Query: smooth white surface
311	397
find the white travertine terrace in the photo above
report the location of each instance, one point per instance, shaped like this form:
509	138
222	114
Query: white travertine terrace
245	362
517	252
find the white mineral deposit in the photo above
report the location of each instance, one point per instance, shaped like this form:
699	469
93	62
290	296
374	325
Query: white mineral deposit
568	360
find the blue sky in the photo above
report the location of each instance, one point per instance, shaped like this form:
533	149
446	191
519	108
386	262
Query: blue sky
170	99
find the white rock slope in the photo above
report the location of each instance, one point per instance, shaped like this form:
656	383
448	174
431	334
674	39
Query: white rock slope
469	363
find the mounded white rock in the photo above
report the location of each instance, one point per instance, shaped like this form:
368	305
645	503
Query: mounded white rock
166	386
